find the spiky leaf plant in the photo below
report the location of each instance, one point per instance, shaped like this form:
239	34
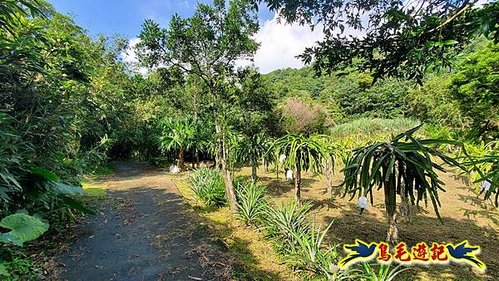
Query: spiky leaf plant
251	203
312	257
303	153
284	219
384	272
404	166
208	187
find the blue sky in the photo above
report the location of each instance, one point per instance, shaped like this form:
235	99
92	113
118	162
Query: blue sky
125	17
279	43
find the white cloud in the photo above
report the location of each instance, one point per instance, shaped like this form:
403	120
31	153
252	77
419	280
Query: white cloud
281	43
129	54
130	57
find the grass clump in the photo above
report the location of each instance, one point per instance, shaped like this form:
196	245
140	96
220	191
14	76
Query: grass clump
208	187
251	204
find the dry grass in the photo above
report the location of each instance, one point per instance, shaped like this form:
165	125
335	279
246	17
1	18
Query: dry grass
254	256
465	218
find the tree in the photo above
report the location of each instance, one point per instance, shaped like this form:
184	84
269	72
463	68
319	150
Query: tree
253	115
207	46
475	87
178	134
403	166
249	149
303	153
398	38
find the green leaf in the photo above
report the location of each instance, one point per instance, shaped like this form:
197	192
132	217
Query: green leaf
3	270
23	228
66	189
77	205
46	174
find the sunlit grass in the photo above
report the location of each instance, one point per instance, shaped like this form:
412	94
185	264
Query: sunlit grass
94	191
254	255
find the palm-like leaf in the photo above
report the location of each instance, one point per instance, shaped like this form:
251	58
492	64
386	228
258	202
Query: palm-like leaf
303	153
403	166
177	133
487	168
306	152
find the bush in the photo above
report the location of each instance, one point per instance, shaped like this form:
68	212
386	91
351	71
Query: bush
208	186
250	202
311	257
283	220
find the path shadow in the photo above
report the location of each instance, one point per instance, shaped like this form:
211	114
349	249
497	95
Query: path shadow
143	234
148	233
246	264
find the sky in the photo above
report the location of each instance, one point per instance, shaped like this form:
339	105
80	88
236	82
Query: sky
280	42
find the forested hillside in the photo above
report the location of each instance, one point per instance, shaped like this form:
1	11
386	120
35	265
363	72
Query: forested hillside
442	100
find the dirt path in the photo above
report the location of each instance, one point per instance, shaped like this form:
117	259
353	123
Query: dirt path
144	231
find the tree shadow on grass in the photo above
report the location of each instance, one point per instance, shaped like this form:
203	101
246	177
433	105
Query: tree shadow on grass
238	240
476	207
350	225
279	187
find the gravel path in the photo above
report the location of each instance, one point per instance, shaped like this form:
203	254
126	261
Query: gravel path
143	231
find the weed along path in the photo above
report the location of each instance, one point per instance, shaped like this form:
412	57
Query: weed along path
142	231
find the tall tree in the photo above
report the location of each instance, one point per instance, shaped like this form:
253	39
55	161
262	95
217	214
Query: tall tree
475	87
253	115
206	45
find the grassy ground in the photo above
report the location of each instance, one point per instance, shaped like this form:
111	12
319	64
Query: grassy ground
465	218
255	258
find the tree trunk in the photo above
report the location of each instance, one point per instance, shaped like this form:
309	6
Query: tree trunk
392	235
329	178
404	204
196	158
390	204
253	168
181	158
222	160
297	181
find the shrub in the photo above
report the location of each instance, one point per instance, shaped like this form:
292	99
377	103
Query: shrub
302	117
311	256
208	186
250	202
283	220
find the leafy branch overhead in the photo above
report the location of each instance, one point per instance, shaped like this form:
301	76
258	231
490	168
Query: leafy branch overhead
390	38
